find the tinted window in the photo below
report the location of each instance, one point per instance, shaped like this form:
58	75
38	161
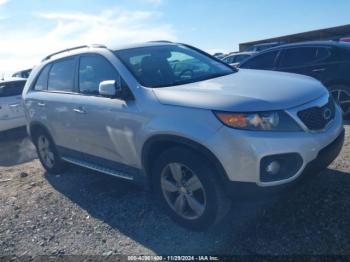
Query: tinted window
168	65
241	58
11	88
298	56
61	76
92	71
41	82
322	53
229	59
264	61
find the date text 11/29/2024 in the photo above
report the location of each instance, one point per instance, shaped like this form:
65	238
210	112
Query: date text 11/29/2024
173	258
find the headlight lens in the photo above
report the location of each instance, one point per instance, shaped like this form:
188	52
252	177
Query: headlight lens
259	121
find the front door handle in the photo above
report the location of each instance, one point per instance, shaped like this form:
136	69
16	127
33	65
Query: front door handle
41	104
79	110
319	70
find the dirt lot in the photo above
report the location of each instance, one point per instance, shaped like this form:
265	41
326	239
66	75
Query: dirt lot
82	212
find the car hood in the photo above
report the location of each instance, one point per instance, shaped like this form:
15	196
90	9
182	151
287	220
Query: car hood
245	91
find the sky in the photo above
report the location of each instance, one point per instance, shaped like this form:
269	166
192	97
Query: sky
32	29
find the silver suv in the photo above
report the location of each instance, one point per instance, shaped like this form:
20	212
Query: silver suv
180	122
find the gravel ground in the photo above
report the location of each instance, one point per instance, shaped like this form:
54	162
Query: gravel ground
82	212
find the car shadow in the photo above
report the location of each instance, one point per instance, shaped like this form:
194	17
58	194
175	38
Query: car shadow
309	219
15	148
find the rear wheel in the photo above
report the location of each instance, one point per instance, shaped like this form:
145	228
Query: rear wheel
188	189
47	153
341	94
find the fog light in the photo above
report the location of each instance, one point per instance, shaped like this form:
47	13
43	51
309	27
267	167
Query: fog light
273	168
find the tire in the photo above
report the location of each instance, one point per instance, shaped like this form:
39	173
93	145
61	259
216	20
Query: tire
341	94
47	153
176	194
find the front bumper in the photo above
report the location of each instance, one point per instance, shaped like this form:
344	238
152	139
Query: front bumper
324	158
240	152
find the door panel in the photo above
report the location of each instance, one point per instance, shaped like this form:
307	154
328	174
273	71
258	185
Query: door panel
58	102
310	61
107	128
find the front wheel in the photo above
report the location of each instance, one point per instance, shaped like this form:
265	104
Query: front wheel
341	94
188	189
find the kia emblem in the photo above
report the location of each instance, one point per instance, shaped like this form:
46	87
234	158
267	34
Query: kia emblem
327	114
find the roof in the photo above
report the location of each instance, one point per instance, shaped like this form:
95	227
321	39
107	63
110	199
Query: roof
82	48
145	44
242	53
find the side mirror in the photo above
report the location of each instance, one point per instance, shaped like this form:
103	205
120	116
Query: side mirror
109	88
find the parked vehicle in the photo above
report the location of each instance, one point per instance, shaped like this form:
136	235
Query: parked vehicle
263	46
327	61
11	110
22	74
237	58
180	122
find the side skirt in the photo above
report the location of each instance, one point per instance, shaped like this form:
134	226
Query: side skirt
97	168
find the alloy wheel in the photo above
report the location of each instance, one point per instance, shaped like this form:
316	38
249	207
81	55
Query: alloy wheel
183	191
46	154
342	97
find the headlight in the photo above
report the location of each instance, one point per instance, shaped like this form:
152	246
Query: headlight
259	121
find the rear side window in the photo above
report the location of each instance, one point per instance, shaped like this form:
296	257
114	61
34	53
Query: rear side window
241	58
61	76
264	61
41	82
93	70
11	88
298	56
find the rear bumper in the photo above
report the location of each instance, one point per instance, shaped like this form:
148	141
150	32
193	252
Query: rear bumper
324	158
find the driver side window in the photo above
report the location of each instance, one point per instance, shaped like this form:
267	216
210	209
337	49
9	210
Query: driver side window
93	69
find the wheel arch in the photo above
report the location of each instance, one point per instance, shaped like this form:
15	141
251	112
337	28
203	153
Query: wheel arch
157	144
35	127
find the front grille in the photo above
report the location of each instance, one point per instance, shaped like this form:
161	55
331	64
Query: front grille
317	118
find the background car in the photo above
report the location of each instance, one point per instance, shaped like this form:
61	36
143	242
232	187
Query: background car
236	59
22	74
327	61
11	110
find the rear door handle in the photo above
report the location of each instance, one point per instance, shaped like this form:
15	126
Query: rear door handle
41	104
79	110
319	70
14	105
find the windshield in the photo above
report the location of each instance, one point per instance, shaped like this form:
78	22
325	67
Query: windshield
169	65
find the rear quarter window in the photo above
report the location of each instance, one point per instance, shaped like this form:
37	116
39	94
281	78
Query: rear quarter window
41	82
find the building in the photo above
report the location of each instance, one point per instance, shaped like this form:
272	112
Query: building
332	33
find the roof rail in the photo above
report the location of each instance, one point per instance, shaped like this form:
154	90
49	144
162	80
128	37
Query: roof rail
160	41
73	48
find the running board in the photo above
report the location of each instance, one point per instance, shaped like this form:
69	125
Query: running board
97	168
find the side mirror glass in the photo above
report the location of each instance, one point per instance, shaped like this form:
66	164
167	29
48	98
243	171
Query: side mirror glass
109	88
